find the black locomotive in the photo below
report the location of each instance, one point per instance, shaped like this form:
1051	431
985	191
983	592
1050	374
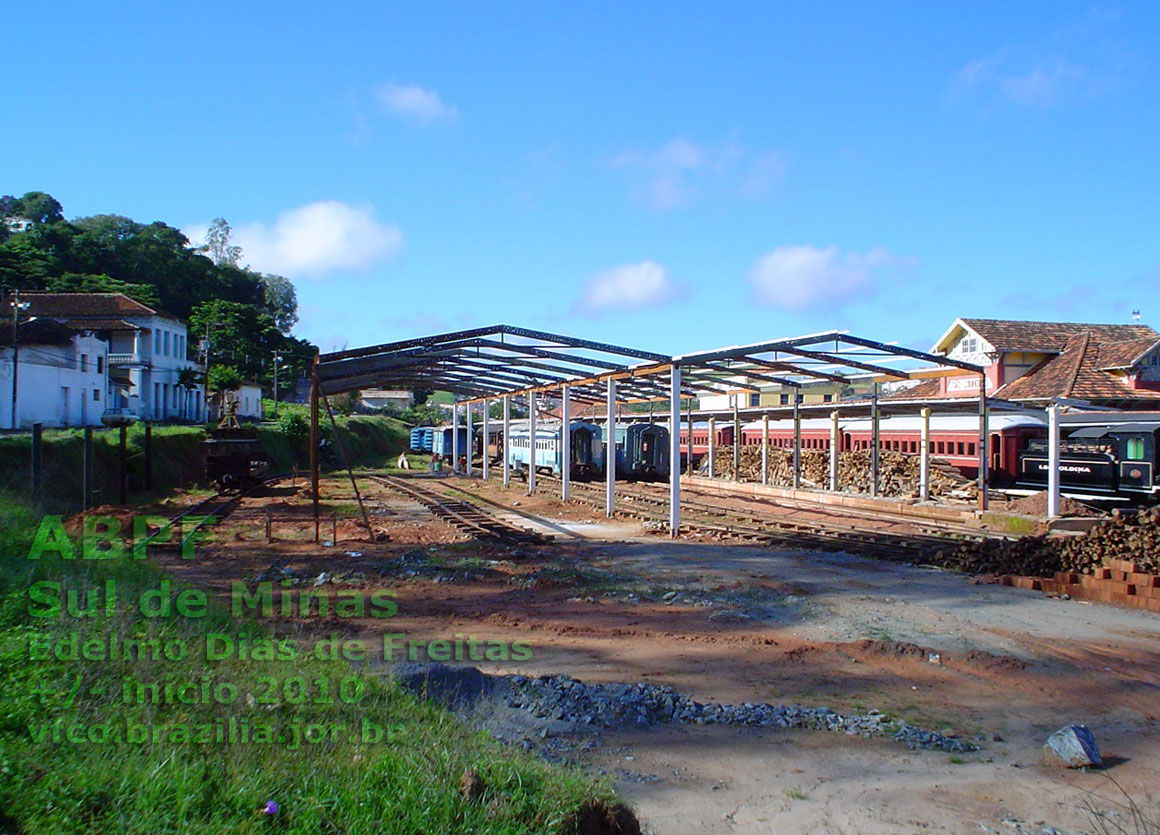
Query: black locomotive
1116	460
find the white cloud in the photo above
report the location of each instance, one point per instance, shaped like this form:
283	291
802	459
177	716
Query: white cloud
678	172
803	277
414	104
1029	85
627	287
1077	61
314	240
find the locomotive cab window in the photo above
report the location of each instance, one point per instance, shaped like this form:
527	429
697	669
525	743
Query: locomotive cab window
1134	449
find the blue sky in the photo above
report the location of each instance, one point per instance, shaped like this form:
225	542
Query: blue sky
673	178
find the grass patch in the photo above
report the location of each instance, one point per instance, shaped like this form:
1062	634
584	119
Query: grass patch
88	780
796	793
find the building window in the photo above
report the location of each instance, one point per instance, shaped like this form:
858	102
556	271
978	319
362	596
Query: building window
96	395
755	399
827	398
969	345
784	399
157	342
100	363
165	343
84	363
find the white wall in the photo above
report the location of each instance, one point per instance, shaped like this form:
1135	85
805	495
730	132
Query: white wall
54	389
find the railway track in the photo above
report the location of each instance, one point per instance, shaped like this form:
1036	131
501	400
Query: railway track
749	527
465	516
217	507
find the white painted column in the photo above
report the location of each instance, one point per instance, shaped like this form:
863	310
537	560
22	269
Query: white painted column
507	452
675	450
983	461
532	443
797	444
467	433
924	457
1053	460
565	445
712	446
765	449
454	437
610	454
835	450
486	438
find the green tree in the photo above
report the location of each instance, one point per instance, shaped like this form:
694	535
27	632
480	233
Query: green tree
281	301
38	207
217	244
223	378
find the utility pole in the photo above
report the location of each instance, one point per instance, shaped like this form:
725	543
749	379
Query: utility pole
17	306
277	359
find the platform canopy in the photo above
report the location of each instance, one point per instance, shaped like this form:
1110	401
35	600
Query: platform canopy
490	362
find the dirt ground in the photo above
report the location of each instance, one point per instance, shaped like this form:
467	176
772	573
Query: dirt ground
607	602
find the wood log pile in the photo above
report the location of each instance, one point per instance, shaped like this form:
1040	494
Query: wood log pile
898	473
1131	537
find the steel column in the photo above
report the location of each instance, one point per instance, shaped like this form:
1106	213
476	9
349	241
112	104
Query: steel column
1053	460
532	444
736	441
675	450
712	446
565	446
455	437
467	434
610	454
835	449
486	438
689	463
765	449
874	441
924	457
983	461
797	444
507	455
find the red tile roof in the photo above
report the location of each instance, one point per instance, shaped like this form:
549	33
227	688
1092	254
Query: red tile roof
1125	354
1012	335
83	324
87	305
1076	373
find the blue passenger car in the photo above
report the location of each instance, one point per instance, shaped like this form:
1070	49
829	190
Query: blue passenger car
422	438
442	442
584	449
642	452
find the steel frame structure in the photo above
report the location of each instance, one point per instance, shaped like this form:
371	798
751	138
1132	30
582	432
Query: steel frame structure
501	361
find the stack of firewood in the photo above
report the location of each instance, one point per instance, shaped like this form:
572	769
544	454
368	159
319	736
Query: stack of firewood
898	473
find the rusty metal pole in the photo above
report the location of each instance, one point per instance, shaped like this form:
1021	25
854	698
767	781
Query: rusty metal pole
314	446
346	462
924	457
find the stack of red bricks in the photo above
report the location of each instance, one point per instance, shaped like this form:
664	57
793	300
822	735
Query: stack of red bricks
1120	582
